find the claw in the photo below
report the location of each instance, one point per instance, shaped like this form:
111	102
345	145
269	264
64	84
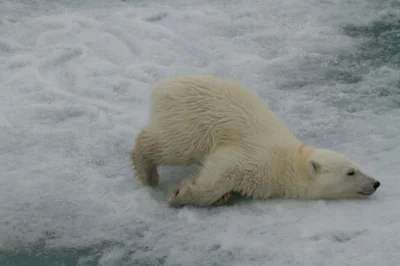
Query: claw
173	197
222	201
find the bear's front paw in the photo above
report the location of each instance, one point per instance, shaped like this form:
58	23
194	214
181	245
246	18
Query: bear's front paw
224	200
176	196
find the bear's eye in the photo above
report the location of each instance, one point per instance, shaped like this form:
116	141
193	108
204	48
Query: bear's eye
351	172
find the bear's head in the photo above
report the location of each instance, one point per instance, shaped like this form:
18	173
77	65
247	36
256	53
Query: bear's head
335	176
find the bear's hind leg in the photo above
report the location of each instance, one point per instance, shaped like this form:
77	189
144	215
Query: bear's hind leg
212	187
143	157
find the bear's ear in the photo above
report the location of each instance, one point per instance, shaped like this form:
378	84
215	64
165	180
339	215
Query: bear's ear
313	166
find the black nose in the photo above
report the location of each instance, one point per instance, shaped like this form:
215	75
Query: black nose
377	184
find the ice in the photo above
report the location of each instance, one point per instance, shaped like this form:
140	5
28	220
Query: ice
75	79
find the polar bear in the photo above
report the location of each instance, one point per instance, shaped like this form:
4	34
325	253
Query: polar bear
240	146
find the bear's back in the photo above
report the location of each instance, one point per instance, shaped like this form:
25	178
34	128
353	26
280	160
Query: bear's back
208	111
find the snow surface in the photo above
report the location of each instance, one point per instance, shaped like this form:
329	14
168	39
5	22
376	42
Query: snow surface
75	78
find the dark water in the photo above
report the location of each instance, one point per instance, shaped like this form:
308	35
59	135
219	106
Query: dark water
40	255
380	42
379	45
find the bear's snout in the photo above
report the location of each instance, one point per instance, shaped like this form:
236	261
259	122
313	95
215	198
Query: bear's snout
370	188
376	185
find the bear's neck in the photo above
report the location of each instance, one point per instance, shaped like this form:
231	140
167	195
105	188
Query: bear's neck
284	164
299	182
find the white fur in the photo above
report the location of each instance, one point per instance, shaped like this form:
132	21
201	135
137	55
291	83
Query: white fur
239	144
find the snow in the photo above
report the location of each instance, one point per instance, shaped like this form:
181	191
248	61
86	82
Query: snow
75	78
